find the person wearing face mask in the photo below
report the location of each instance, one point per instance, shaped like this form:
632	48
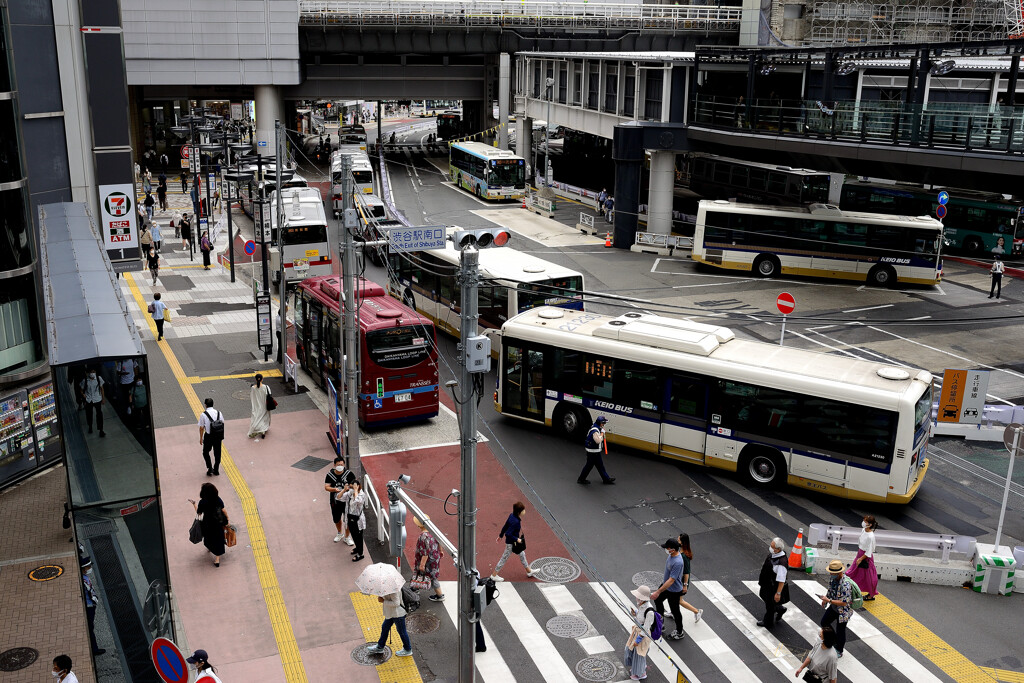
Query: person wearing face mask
821	663
334	483
91	601
862	570
671	588
355	500
639	642
62	669
774	591
205	672
91	389
138	401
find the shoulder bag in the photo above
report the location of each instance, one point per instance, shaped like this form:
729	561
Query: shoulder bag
420	582
519	545
271	403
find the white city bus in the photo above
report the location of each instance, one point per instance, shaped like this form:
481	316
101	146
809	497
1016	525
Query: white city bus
819	240
303	236
511	282
851	428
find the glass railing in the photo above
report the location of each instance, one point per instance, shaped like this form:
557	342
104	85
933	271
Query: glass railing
946	124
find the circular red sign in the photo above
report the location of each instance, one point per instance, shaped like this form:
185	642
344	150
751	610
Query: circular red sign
169	661
786	303
184	151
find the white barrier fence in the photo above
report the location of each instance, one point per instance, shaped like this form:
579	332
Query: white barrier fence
903	540
662	241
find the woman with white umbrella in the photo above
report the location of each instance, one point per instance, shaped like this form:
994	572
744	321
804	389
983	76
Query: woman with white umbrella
385	581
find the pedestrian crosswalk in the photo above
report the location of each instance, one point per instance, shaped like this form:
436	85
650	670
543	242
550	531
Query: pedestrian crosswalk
526	641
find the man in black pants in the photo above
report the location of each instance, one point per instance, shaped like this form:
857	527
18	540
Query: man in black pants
211	436
593	444
773	588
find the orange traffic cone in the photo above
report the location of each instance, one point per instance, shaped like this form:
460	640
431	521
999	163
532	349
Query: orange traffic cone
524	203
796	555
607	239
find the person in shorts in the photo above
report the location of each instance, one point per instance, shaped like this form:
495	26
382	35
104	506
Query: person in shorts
334	483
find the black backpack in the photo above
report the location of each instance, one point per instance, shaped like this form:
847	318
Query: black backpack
216	425
410	599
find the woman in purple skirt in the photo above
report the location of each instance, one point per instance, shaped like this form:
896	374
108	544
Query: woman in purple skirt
862	570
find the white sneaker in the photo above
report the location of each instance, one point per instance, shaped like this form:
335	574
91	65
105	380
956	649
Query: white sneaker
496	577
698	615
349	541
337	538
531	573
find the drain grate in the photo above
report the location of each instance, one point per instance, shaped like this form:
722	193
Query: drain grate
567	626
422	622
241	395
596	669
361	656
651	579
48	572
311	463
555	569
17	658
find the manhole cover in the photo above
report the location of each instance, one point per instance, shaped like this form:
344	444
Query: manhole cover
48	572
17	658
361	656
241	395
595	669
555	569
422	622
567	626
651	579
311	463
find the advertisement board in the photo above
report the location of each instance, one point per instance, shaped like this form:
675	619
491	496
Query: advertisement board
118	223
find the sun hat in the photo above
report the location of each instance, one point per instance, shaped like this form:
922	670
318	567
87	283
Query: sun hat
836	567
642	593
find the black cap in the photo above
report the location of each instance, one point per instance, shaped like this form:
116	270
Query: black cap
601	419
671	544
198	656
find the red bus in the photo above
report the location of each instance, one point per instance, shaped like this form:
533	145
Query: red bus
397	350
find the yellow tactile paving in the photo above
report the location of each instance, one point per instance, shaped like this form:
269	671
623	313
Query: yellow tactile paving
371	616
938	651
1004	675
244	375
287	647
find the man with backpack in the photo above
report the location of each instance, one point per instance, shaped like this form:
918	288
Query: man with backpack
838	602
672	587
211	436
774	590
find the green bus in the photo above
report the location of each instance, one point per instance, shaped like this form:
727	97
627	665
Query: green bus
486	171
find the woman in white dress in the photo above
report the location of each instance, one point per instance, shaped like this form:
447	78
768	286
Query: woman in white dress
260	421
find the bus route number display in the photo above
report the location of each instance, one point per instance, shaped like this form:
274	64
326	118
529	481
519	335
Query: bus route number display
598	369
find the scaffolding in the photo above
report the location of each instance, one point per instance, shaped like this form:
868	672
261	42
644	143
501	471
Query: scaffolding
911	21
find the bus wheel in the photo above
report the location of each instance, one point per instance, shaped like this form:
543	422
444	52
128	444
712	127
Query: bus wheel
973	245
767	265
763	467
882	276
409	300
570	421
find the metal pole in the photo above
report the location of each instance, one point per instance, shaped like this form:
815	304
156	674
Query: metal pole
262	235
282	288
547	142
1006	490
782	337
350	338
470	260
228	200
380	122
209	206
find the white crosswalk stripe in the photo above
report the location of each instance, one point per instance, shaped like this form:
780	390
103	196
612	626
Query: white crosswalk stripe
536	641
809	630
872	637
490	665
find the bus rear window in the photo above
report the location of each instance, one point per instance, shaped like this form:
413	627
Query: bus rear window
363	177
304	234
923	409
399	347
564	292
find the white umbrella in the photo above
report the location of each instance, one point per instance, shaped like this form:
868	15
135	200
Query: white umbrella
380	579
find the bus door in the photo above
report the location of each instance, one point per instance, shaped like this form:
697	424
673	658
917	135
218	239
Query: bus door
314	354
684	423
522	386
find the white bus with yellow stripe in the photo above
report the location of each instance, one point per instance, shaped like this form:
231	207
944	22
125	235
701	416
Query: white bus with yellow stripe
833	424
819	240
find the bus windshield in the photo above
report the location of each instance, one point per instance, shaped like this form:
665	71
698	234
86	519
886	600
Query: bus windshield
399	347
364	176
304	234
815	189
556	292
510	173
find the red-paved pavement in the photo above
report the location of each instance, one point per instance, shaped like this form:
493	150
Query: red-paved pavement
1010	272
436	471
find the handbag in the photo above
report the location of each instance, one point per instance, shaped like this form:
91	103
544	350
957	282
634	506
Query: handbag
195	534
167	314
151	308
519	545
271	403
230	535
420	582
812	677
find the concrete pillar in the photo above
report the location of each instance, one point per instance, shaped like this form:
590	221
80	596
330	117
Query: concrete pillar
521	137
269	108
524	147
504	88
659	198
628	155
750	23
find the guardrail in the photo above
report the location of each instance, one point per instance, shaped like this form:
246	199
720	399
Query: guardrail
661	241
586	221
525	13
904	540
380	511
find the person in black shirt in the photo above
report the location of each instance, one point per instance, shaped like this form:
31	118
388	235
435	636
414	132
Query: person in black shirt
334	482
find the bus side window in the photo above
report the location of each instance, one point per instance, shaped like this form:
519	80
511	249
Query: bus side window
565	370
636	385
757	179
776	184
687	397
597	376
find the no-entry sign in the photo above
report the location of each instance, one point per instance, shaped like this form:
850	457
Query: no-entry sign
169	662
184	151
786	303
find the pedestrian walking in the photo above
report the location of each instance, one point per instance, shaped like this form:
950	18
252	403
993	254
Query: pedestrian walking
259	397
163	162
639	642
138	171
593	444
205	672
837	601
687	554
138	401
774	589
515	541
185	226
997	271
184	182
126	372
822	662
149	202
394	615
671	588
158	309
154	231
356	500
602	195
91	389
862	569
206	248
213	521
62	663
609	206
145	237
161	194
91	601
147	182
211	436
427	561
334	484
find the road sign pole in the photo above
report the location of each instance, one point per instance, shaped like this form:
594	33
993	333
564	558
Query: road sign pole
349	331
1009	477
782	337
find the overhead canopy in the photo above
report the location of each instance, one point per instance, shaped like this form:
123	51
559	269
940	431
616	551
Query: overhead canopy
86	315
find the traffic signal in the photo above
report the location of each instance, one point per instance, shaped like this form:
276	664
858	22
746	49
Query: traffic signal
481	239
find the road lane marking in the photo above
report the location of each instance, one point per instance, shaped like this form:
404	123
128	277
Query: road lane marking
280	623
490	664
535	640
868	308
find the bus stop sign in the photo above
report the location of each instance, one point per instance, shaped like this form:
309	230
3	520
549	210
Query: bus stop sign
169	662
